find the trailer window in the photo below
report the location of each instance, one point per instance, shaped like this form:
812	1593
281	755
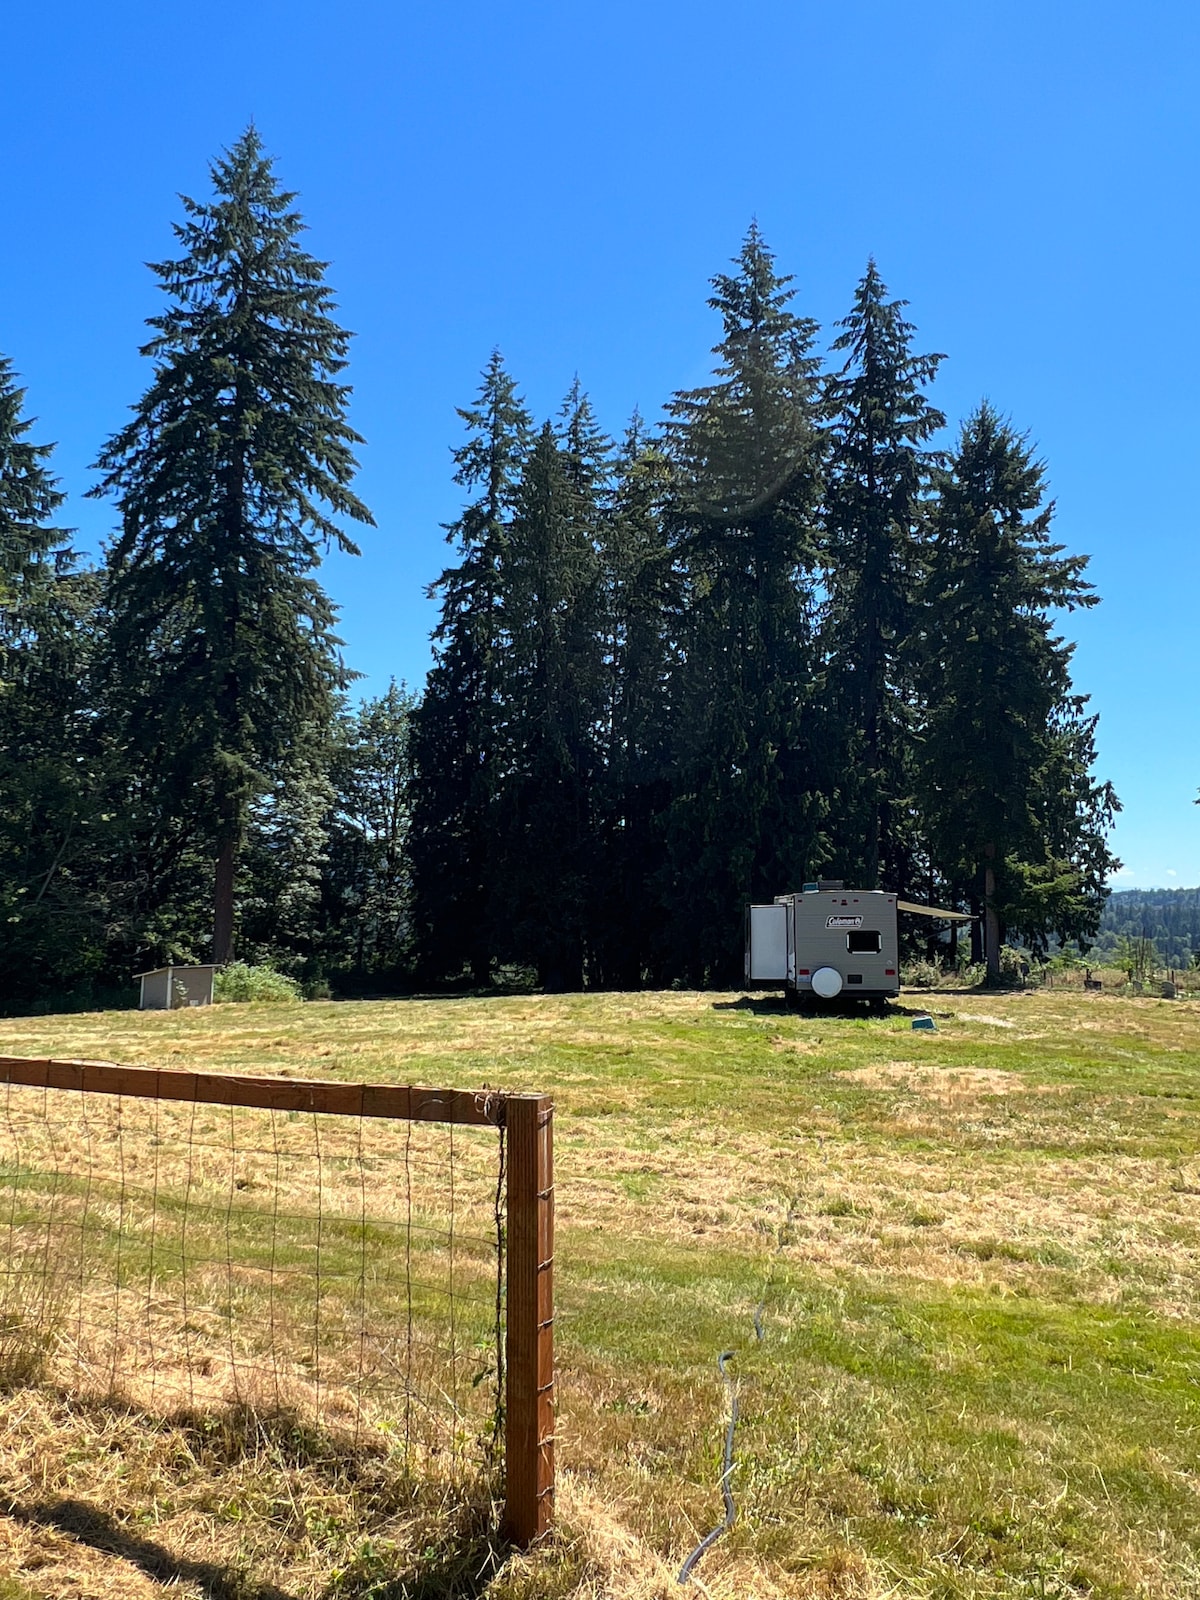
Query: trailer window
864	941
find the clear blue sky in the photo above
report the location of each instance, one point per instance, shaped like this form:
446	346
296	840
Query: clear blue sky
562	179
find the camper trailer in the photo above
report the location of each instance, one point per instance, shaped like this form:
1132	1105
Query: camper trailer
830	943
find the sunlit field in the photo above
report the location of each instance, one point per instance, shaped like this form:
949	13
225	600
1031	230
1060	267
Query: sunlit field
957	1270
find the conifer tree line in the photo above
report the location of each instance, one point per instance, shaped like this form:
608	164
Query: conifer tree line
793	629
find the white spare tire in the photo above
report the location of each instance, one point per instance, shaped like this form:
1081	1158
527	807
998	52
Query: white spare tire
827	982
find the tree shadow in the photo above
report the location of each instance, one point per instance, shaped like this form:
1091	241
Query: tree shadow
756	1002
456	1546
89	1525
981	991
459	1567
458	1563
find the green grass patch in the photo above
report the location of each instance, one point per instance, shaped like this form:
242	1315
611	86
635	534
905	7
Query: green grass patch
973	1254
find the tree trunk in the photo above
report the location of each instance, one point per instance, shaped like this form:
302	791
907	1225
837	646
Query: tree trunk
871	846
991	921
560	967
223	901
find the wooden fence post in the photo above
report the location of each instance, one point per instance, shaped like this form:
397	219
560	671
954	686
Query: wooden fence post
529	1336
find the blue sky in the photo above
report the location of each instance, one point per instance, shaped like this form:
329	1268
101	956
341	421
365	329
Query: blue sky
562	180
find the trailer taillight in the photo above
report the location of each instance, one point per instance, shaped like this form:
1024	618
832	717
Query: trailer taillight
802	972
889	972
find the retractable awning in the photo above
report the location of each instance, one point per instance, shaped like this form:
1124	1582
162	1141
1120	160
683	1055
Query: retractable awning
934	911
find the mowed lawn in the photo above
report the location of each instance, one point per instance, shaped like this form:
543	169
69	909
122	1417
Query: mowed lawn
972	1256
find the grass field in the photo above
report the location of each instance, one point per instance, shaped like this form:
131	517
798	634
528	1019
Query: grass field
972	1253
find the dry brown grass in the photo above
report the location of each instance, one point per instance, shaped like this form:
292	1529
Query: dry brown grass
102	1498
1032	1166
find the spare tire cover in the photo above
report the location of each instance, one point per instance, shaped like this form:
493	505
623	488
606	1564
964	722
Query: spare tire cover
827	981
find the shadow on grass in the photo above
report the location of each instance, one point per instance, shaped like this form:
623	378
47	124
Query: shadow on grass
459	1564
88	1525
811	1011
452	1545
753	1002
774	1005
979	990
460	1567
458	1559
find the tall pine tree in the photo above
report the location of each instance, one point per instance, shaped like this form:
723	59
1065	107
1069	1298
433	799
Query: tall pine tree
1014	820
457	728
552	691
367	899
746	454
54	904
231	478
29	498
875	553
639	613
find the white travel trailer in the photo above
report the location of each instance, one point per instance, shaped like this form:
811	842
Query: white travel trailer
830	943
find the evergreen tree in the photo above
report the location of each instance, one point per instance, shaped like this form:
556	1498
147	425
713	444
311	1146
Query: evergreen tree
456	734
639	616
1013	816
229	479
746	459
875	551
63	900
1169	917
552	686
284	863
53	901
29	498
368	889
1061	889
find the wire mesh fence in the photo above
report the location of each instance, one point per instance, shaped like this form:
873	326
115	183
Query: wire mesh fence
183	1241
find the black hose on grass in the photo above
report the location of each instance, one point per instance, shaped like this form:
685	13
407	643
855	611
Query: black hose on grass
727	1472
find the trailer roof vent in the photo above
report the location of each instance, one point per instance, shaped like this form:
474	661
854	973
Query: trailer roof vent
827	884
809	888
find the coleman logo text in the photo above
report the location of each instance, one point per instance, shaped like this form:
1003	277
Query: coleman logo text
843	922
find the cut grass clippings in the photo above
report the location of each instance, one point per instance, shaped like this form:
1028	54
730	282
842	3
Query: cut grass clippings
973	1255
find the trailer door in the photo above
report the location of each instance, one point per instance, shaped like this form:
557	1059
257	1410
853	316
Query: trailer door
766	944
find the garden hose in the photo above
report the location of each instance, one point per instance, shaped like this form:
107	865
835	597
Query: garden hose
710	1539
726	1473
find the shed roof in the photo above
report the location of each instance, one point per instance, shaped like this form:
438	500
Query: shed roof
177	966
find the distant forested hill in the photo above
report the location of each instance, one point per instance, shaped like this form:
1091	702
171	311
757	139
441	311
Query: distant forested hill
1171	917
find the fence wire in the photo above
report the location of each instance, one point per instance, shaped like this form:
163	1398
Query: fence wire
186	1256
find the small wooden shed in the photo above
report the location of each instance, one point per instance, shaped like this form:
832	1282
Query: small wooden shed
170	988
